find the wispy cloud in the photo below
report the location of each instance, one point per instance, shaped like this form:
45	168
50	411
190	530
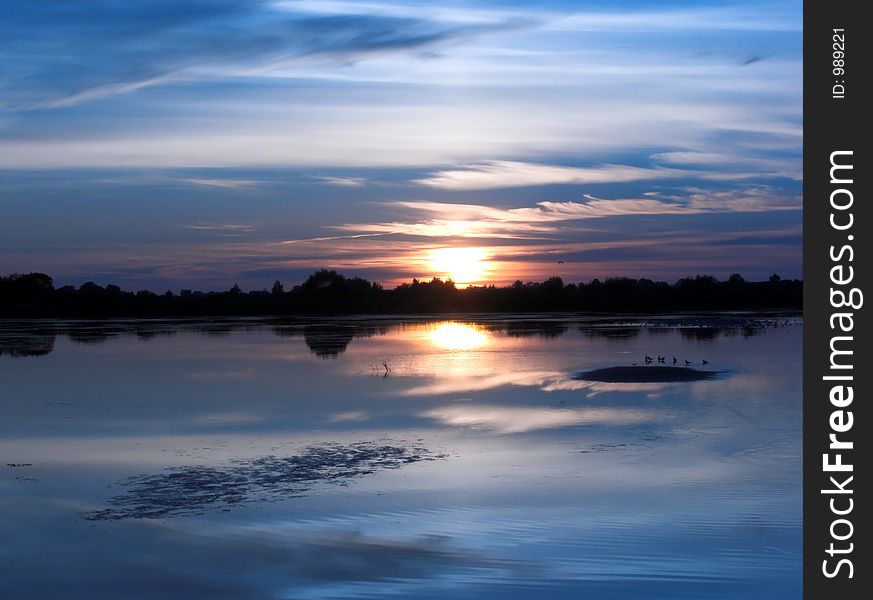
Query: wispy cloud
503	174
449	220
343	181
331	238
752	200
231	228
230	184
724	166
770	17
498	174
119	48
211	83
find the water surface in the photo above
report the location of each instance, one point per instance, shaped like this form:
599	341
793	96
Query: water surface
379	457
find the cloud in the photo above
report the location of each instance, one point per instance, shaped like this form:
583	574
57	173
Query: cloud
214	83
230	184
230	228
479	221
726	166
755	199
331	238
449	220
63	54
504	173
497	174
343	181
768	17
448	12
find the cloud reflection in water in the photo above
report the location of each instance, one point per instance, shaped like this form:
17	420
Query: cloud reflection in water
504	419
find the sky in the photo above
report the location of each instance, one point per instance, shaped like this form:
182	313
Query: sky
201	143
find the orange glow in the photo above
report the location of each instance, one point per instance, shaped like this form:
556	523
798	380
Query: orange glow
457	336
464	266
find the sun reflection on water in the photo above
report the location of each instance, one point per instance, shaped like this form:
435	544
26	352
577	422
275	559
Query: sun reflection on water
457	336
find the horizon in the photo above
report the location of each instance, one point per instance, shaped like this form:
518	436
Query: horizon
290	285
201	143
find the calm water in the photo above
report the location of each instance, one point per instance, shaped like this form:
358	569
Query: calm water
399	458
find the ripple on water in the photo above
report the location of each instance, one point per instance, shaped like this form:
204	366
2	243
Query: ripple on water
196	488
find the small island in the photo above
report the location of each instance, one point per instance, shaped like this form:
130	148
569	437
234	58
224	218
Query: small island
645	374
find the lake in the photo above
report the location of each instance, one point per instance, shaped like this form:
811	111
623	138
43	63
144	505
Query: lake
381	457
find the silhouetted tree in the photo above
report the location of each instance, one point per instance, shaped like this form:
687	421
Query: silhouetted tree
328	292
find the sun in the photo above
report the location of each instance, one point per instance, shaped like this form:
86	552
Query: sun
464	266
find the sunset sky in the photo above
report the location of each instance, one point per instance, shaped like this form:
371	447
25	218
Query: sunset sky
199	143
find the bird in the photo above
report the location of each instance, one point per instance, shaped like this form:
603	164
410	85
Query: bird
560	262
648	359
687	362
674	360
705	362
660	359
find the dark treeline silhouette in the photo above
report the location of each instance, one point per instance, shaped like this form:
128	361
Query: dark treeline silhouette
329	293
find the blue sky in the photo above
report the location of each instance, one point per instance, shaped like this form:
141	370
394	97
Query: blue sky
198	143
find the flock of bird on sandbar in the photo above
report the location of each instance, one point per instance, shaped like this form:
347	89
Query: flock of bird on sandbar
663	360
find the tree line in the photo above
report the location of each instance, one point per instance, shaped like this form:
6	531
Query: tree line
328	292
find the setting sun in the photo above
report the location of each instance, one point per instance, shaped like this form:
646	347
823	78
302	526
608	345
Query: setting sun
464	266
